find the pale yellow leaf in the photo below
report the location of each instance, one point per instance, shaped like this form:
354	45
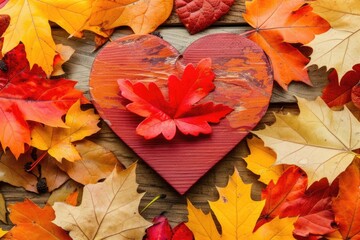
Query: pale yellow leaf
261	161
109	210
319	140
58	141
30	24
339	47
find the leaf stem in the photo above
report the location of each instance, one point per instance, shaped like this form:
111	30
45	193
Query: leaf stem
161	196
246	33
34	164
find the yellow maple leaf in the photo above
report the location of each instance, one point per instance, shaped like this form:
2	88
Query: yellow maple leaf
237	214
30	24
58	141
261	161
143	16
109	210
338	48
319	140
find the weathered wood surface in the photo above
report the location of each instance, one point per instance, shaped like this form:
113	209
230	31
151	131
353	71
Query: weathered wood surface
78	68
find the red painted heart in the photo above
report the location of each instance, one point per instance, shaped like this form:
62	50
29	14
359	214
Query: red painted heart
243	82
197	15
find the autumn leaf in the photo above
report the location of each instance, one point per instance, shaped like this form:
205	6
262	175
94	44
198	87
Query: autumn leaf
261	161
142	16
58	142
4	23
290	187
337	48
96	163
162	230
355	95
277	24
2	232
63	192
33	222
63	55
289	198
34	16
347	204
337	94
237	214
28	96
198	15
164	116
318	140
108	209
13	172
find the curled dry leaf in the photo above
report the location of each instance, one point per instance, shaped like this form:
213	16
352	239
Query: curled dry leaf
319	140
58	142
108	208
261	161
96	163
197	15
337	48
63	192
277	24
237	214
13	172
63	55
34	223
27	95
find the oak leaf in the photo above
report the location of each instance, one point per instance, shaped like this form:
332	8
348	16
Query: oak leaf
337	48
108	209
58	142
33	222
261	161
143	16
277	24
319	140
12	172
29	24
237	214
346	205
337	94
199	14
164	116
27	95
96	163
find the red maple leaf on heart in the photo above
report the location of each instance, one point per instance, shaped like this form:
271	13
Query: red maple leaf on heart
179	111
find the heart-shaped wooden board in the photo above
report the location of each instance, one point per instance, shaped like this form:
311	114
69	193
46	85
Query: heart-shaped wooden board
243	81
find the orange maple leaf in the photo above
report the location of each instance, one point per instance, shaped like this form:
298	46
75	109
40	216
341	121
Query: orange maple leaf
279	23
33	222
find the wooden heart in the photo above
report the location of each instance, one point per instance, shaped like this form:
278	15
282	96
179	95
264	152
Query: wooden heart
243	82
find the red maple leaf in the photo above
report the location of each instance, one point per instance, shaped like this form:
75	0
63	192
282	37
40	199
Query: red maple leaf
335	94
289	198
179	111
27	95
162	230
